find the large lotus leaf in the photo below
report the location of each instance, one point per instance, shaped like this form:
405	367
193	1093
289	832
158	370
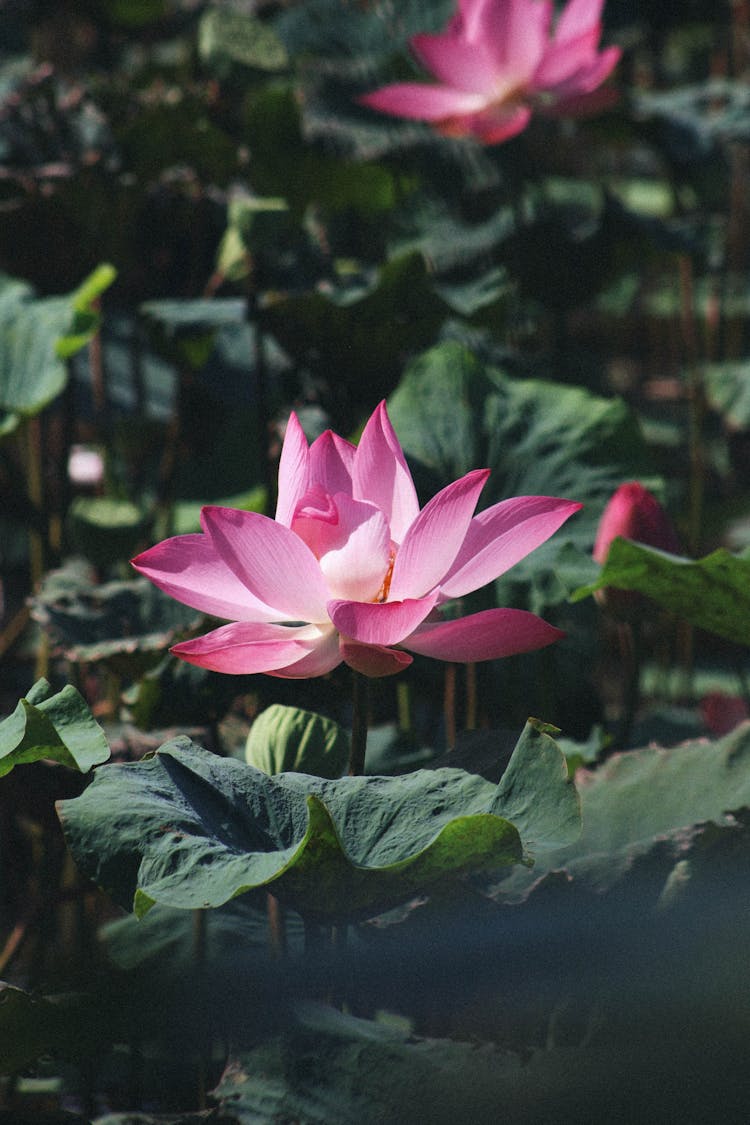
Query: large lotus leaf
286	164
712	593
55	725
289	738
362	342
330	1068
335	29
167	133
191	830
639	800
452	413
36	336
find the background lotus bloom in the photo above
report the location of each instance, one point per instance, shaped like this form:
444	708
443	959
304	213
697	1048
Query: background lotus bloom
351	569
632	513
496	63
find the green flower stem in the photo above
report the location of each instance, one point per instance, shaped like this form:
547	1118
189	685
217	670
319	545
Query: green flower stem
360	707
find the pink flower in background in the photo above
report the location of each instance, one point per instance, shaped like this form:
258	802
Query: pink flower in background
721	713
351	569
634	513
631	513
498	61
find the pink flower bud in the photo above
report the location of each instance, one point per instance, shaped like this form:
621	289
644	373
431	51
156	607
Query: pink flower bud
632	513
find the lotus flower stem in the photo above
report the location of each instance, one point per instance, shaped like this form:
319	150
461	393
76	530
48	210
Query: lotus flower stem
471	697
360	707
631	648
449	705
276	926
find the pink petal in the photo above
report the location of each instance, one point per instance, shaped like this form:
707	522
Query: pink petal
355	552
323	659
380	623
420	102
374	660
517	32
488	635
293	471
382	476
331	463
457	63
271	560
241	649
502	535
590	77
468	21
492	126
435	537
578	17
581	105
562	60
188	568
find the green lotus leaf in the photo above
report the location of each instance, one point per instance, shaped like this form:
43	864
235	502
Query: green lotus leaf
57	725
712	593
36	336
191	830
656	799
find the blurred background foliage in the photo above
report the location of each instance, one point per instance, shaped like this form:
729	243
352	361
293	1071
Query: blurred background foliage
201	230
568	308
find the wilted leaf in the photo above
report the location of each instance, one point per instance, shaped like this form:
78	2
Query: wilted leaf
192	830
362	340
57	725
94	622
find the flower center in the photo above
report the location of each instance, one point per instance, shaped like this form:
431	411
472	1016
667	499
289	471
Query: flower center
382	594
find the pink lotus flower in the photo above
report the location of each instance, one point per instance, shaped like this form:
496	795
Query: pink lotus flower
496	63
351	569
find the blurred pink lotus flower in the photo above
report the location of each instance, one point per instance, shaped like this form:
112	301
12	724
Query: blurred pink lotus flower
721	713
351	569
496	63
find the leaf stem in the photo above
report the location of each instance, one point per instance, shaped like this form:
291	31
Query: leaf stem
360	707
